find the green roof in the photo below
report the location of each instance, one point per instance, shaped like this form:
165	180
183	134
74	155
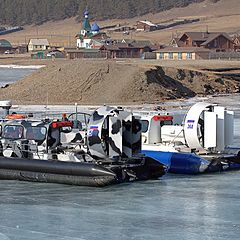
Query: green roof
4	43
86	25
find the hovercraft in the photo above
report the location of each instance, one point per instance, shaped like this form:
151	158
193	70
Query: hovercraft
203	143
34	150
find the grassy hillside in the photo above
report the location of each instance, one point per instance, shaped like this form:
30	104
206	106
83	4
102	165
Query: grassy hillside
17	12
223	15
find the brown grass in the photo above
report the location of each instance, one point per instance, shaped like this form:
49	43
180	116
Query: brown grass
221	16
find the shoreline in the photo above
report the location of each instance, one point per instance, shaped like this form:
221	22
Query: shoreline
16	66
168	105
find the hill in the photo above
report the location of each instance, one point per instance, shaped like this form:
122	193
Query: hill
17	12
219	16
121	82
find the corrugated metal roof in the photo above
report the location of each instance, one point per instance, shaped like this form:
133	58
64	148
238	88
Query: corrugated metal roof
39	41
148	23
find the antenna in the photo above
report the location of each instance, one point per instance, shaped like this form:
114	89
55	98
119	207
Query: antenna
46	107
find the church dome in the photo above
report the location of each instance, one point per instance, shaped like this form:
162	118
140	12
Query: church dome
95	27
86	13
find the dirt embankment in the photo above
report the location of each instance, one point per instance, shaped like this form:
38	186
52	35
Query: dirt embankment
99	82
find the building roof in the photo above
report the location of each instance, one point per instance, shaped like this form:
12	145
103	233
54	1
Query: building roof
138	43
86	24
148	23
5	44
110	47
237	40
183	49
95	27
211	38
82	50
205	36
39	41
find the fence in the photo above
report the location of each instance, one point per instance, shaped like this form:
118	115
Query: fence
225	55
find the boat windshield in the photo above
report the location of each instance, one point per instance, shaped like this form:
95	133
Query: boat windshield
145	124
12	131
36	133
80	120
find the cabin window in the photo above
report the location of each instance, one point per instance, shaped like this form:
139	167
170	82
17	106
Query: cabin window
166	122
145	125
80	121
161	55
180	56
13	131
189	55
36	133
170	55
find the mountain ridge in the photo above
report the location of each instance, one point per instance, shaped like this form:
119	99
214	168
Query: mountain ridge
22	12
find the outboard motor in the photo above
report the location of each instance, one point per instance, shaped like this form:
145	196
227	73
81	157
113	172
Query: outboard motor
114	133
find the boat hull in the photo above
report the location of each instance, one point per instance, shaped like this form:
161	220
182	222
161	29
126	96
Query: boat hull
189	163
79	173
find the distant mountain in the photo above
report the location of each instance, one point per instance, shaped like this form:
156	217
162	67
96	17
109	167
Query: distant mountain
20	12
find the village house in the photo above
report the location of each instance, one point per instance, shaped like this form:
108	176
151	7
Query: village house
84	53
38	44
182	53
217	41
146	26
128	48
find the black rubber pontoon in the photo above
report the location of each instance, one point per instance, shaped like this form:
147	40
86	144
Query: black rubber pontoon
85	174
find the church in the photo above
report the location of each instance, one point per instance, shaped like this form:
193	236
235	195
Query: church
90	36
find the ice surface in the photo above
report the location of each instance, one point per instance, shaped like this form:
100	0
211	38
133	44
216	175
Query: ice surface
175	207
8	75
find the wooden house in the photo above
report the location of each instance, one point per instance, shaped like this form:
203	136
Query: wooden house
211	40
128	48
146	26
182	53
38	44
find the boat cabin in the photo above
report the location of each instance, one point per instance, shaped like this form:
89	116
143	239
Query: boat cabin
160	129
207	128
38	139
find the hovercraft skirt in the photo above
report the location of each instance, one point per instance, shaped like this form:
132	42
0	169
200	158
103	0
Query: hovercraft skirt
97	181
52	171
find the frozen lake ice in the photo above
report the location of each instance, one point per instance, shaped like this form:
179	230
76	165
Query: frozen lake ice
11	75
174	207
